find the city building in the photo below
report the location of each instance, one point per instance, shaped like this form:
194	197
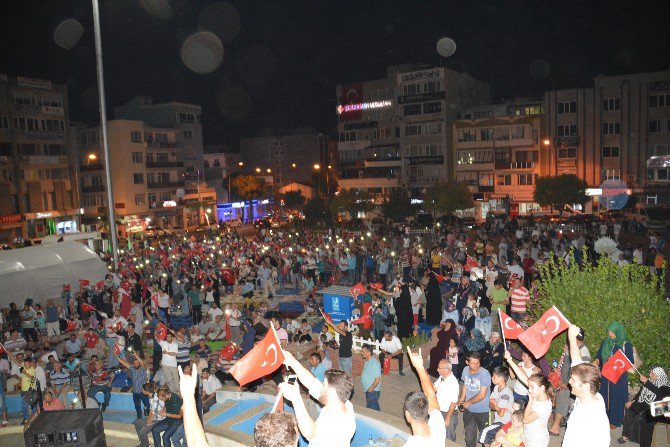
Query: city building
149	180
186	119
36	174
499	151
292	155
396	132
616	131
219	163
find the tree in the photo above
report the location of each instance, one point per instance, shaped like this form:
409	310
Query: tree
351	201
293	199
557	191
397	205
595	295
248	187
316	209
445	198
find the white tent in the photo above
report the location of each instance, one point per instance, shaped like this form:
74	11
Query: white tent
39	272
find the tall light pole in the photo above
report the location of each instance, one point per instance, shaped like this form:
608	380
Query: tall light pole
103	127
317	167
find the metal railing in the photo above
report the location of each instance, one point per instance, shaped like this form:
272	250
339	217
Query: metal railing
156	185
165	164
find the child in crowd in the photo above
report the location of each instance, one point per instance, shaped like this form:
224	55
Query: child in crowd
511	434
453	357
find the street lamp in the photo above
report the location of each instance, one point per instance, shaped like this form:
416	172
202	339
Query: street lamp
258	169
240	164
317	166
268	170
293	165
92	157
546	141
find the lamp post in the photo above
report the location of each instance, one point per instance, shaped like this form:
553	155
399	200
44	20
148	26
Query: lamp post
317	167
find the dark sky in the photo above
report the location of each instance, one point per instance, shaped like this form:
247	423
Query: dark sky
280	70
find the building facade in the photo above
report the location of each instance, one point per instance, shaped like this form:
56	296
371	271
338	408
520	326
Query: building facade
617	131
396	132
36	173
219	164
499	152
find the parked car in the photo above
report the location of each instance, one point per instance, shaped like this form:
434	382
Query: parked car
152	231
233	223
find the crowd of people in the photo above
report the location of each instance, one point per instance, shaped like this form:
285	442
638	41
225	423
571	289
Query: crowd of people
70	351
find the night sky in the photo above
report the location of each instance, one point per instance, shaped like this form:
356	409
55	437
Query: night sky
282	59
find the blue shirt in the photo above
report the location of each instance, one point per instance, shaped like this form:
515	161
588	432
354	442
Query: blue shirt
472	383
319	372
352	262
373	369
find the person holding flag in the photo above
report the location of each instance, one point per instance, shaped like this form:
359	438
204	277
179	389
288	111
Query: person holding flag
336	423
615	394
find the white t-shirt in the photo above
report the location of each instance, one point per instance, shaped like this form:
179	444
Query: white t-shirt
392	346
214	312
438	433
588	424
163	300
520	388
446	390
169	360
536	433
333	429
210	385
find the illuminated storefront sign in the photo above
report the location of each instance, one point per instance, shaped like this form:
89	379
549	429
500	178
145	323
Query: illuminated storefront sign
169	204
43	215
347	108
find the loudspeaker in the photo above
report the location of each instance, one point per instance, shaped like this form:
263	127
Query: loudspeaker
67	428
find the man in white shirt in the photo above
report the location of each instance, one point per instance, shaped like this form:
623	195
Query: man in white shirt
446	391
588	423
169	362
336	423
234	322
422	410
214	310
208	387
112	327
391	346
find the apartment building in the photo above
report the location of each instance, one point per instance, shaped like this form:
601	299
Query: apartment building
617	130
219	164
499	152
38	197
396	131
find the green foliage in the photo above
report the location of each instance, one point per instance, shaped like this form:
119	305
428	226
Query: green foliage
560	190
316	209
445	198
596	295
351	201
248	187
293	200
397	205
414	341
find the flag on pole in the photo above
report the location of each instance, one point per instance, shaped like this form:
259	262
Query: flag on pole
327	317
161	331
616	365
87	308
438	277
377	285
83	283
510	329
538	337
357	290
227	352
265	358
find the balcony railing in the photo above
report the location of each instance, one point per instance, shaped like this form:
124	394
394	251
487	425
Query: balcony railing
483	188
93	188
161	144
165	185
517	165
165	164
92	167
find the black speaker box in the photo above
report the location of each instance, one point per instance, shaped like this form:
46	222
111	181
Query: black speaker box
67	428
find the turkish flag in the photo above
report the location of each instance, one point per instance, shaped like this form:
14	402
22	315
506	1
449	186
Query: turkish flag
125	286
101	377
83	283
117	349
70	326
439	277
161	331
87	308
470	264
510	328
99	284
154	300
351	102
615	366
538	337
377	285
228	276
265	358
357	290
366	318
327	317
227	352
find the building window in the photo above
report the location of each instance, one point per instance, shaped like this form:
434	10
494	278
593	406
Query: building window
138	178
188	118
527	156
188	134
657	126
534	110
412	130
412	89
610	152
661	174
137	157
140	199
504	180
432	107
525	179
518	132
412	109
611	128
135	136
567	107
347	136
567	152
486	134
659	100
611	104
662	149
466	135
567	131
4	122
432	128
430	87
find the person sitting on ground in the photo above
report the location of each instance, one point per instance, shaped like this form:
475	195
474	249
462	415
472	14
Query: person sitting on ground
73	346
217	331
208	387
392	347
317	368
144	425
50	403
422	411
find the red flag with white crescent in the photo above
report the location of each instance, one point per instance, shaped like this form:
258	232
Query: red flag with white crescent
439	277
154	300
87	308
161	331
510	328
538	337
377	285
616	365
265	358
227	352
357	290
83	283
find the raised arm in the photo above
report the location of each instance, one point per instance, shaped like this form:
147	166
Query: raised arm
518	372
195	433
575	354
424	379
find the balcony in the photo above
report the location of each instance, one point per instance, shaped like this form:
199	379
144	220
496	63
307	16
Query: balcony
483	188
44	135
161	144
93	188
383	162
570	141
92	167
165	164
159	185
519	165
45	159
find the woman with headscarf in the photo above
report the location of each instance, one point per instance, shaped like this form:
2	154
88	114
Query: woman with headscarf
449	311
468	319
638	425
440	351
433	301
493	352
615	395
403	310
483	321
475	342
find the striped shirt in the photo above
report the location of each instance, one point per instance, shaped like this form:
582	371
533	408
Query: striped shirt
59	379
183	351
518	300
